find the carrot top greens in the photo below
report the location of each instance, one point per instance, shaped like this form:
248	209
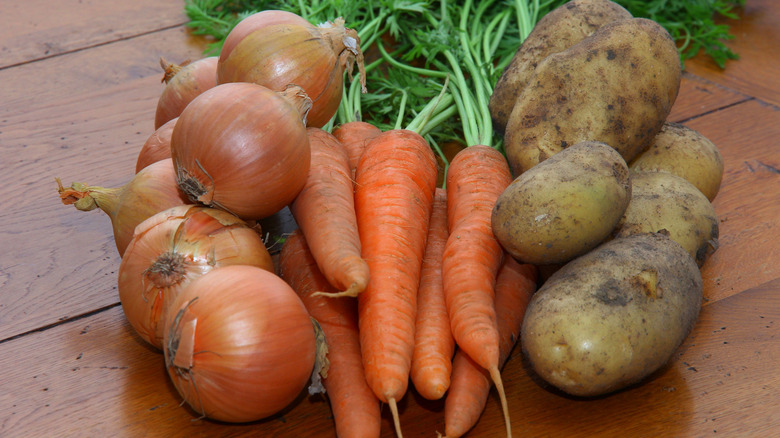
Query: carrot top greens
413	47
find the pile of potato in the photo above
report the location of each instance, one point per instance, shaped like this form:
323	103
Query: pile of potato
609	198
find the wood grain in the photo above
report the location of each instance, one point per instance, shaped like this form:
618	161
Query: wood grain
86	123
33	29
698	96
747	203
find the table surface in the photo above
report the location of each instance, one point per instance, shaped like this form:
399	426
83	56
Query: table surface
80	80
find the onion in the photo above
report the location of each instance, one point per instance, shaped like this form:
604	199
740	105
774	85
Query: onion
174	247
157	147
150	191
182	84
313	58
257	21
239	344
243	148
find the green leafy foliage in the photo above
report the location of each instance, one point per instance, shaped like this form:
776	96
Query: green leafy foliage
456	50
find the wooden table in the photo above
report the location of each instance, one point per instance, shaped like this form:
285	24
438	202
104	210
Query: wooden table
79	81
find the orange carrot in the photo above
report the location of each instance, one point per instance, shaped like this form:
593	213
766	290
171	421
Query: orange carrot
395	182
325	213
472	256
468	394
355	136
433	342
355	407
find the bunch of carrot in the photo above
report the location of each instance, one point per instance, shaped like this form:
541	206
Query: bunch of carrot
401	273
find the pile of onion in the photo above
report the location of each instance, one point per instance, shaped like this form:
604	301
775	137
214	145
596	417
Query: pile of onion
230	147
243	148
171	249
239	344
150	191
294	52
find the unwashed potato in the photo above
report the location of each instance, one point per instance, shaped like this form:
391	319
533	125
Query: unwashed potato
616	86
563	207
610	318
663	201
686	153
558	30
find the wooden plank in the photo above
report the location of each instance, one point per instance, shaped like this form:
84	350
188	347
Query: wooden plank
37	29
98	374
86	124
756	41
698	96
747	204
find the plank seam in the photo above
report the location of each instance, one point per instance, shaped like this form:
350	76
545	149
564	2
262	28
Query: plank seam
746	97
68	52
65	320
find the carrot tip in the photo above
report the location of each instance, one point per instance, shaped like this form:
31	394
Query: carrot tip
396	418
351	291
346	293
495	375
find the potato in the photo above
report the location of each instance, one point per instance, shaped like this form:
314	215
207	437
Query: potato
563	207
663	201
686	153
610	318
616	86
558	30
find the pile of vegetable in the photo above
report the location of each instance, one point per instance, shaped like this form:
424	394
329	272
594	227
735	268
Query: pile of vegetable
409	265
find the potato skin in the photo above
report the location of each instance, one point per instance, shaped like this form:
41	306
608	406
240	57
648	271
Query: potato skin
616	86
686	153
558	30
610	318
563	207
664	201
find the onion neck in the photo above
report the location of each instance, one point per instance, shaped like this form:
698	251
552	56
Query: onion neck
170	69
346	45
87	198
167	270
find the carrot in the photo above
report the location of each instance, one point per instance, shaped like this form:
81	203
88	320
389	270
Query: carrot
325	213
395	182
355	407
354	136
468	394
472	256
433	342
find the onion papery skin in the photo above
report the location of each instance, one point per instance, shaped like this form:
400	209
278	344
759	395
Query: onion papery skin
311	57
187	82
157	147
239	344
243	148
149	192
171	249
257	21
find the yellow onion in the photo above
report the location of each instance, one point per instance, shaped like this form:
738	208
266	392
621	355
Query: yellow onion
157	147
239	344
243	148
171	249
257	21
182	84
150	191
314	58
